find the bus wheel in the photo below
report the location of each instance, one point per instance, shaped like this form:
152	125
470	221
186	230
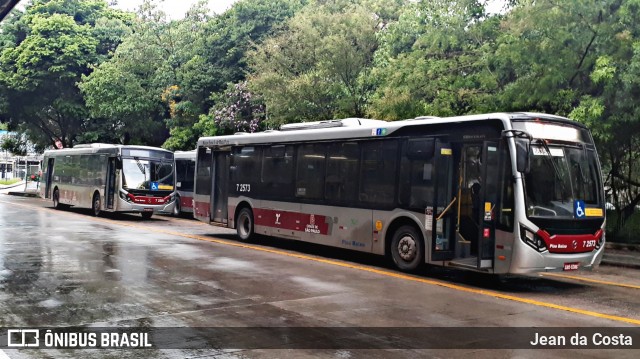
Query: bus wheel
96	205
244	224
176	208
407	249
146	215
56	199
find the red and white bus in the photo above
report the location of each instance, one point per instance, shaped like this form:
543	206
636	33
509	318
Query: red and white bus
111	178
185	176
497	193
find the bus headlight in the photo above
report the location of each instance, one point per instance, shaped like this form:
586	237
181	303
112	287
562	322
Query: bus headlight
533	240
170	198
126	196
600	236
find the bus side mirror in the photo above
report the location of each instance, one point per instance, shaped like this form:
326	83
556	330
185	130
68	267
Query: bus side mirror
118	163
522	155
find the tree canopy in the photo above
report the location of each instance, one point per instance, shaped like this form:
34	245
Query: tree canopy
81	71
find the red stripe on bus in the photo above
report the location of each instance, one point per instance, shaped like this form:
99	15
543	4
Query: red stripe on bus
186	202
570	243
294	221
202	209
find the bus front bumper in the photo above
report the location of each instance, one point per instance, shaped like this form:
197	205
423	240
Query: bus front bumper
531	261
165	208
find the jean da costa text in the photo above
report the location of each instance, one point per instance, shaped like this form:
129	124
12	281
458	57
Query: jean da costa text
96	340
595	339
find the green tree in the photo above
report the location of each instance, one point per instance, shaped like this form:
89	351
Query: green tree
235	110
14	145
223	58
435	60
317	67
135	91
45	52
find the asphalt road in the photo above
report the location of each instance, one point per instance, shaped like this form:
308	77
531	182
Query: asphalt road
67	268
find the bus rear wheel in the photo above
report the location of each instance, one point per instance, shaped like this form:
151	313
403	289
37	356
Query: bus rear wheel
96	204
244	224
407	248
146	215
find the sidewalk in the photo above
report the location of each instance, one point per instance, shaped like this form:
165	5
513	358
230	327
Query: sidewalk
622	255
18	189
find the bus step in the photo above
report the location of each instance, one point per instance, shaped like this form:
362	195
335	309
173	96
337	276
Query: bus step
469	262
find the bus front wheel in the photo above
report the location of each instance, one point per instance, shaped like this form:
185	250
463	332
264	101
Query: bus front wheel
96	204
244	224
407	248
56	199
176	207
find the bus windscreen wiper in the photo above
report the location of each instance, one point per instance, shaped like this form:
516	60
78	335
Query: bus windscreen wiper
140	165
141	168
556	170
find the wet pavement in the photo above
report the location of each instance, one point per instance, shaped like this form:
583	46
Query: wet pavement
67	268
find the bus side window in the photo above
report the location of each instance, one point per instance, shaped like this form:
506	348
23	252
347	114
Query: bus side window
506	210
416	190
187	183
277	171
342	169
310	174
378	171
203	182
245	161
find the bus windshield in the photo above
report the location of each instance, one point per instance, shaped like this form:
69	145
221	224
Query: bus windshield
147	174
558	176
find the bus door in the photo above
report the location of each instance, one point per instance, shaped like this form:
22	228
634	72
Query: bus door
110	184
220	186
47	189
203	185
489	193
441	216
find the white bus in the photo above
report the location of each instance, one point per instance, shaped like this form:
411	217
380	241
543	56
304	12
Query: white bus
185	176
497	193
112	178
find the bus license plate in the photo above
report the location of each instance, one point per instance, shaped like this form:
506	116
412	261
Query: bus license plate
147	209
571	266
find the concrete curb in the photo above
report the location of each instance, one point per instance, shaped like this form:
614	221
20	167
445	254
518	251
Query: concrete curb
622	264
12	185
22	194
622	246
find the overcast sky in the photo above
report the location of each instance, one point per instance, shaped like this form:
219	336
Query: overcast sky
175	9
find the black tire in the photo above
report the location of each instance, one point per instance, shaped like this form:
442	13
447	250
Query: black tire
56	199
407	248
177	208
244	225
146	215
96	204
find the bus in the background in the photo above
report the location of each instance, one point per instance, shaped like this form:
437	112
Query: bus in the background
111	178
185	175
496	193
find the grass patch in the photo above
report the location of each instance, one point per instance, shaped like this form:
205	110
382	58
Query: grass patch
9	181
629	233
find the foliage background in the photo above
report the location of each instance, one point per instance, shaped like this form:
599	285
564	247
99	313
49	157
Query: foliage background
80	71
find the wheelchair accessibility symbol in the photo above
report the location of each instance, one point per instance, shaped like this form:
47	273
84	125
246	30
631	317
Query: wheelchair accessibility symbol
578	209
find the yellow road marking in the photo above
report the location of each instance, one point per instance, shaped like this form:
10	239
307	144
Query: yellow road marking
591	280
361	268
